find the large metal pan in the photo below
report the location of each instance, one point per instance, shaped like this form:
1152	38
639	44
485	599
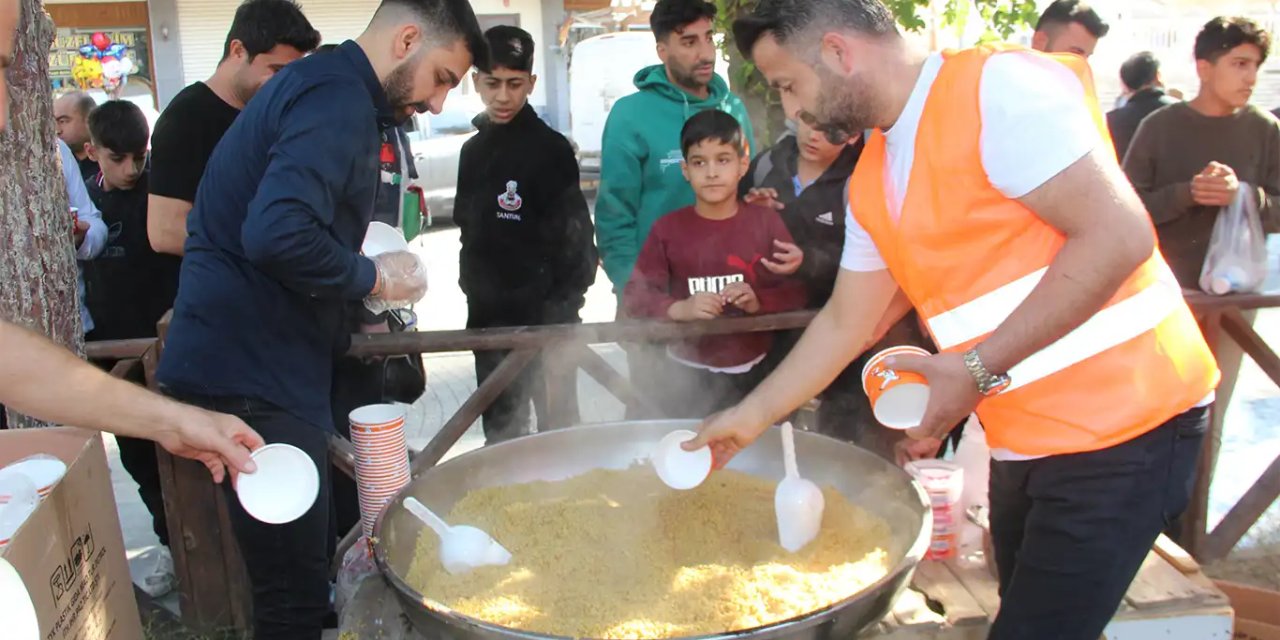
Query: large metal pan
861	476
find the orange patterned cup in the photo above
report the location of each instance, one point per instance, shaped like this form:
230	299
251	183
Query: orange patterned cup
898	398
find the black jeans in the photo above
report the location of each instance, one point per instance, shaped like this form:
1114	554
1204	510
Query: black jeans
289	563
509	416
1071	531
139	459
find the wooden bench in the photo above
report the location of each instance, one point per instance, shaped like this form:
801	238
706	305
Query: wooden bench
1170	599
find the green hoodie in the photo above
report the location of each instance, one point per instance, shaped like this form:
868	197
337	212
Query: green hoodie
640	177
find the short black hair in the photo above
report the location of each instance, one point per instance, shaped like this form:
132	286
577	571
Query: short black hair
1064	12
1139	70
261	25
670	16
1223	34
447	21
119	126
510	48
711	124
793	20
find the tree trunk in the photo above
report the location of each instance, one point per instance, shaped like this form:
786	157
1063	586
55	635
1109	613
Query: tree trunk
37	266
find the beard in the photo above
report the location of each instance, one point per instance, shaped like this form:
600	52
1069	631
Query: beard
399	89
685	77
844	108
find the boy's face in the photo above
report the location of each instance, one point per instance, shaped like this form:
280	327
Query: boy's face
504	92
119	170
713	169
814	146
1232	76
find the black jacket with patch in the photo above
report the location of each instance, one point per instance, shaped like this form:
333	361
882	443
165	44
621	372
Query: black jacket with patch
129	286
815	218
527	237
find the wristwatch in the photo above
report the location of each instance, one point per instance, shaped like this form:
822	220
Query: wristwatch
989	384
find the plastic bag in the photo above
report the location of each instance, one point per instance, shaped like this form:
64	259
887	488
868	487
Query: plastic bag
405	274
357	565
1237	258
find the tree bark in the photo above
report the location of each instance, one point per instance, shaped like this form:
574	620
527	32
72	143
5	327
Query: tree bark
37	265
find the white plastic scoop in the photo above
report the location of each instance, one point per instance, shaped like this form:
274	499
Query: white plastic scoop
462	548
798	503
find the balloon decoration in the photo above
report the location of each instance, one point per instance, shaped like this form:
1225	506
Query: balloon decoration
102	64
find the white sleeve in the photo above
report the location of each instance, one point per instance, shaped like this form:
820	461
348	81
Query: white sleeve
95	239
860	253
1035	121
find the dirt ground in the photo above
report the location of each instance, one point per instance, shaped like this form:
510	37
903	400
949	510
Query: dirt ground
1256	560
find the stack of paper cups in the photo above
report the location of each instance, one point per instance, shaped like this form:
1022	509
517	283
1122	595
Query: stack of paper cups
944	483
382	457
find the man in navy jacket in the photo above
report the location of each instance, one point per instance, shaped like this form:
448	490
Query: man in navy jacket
272	262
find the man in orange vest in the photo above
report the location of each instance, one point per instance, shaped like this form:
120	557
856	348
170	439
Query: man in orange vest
989	194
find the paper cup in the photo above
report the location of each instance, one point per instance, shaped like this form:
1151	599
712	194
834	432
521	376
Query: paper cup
680	469
374	415
898	398
382	238
283	488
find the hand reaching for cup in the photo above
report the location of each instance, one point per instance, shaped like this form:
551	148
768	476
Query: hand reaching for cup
402	280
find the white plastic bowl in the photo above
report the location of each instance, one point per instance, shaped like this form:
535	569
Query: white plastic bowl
382	238
680	469
283	488
44	471
16	608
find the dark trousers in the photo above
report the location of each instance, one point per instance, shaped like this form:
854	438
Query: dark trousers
139	459
1071	531
509	415
289	563
355	384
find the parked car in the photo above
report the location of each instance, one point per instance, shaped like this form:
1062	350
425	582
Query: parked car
436	141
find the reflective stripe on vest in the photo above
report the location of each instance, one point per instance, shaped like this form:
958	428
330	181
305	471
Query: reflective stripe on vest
1110	327
967	256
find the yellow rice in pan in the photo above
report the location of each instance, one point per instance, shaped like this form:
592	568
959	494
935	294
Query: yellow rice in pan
616	554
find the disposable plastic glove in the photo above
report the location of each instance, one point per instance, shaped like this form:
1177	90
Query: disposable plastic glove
402	281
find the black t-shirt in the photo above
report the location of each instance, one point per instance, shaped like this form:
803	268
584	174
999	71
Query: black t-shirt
88	168
183	141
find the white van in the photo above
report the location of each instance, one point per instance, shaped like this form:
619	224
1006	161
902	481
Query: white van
600	72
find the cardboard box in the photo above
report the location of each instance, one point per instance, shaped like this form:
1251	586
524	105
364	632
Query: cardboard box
70	552
1257	611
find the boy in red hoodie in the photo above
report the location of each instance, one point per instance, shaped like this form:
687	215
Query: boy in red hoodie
720	257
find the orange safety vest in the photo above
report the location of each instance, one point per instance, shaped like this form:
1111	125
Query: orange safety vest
967	256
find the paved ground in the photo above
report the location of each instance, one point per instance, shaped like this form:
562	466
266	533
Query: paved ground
1252	440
